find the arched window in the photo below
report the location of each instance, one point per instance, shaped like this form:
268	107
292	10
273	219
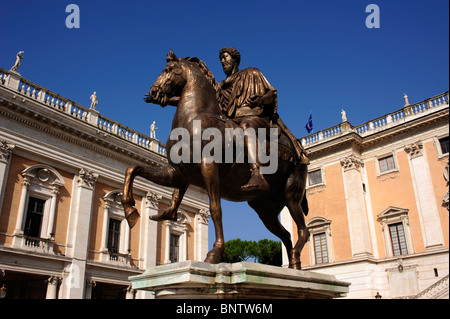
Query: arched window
115	231
321	245
176	238
38	208
396	231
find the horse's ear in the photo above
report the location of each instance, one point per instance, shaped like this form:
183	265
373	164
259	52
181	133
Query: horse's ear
171	56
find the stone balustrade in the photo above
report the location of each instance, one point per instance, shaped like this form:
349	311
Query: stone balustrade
24	87
14	81
408	112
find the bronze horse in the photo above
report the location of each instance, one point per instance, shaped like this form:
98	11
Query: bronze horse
188	84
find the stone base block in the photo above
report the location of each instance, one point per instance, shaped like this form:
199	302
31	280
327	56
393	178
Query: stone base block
244	280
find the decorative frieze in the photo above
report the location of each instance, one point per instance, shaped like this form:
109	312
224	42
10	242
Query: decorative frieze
414	150
153	199
203	216
87	178
351	162
5	151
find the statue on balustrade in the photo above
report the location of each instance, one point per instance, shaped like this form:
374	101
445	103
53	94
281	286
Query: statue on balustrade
153	129
19	58
245	100
94	101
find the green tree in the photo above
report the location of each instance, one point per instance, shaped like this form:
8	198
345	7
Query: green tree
237	250
264	251
269	252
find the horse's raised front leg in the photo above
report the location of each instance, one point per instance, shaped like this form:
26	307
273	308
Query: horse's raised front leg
210	172
171	212
166	176
131	213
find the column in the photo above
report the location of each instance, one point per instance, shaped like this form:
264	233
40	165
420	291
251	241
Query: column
88	291
167	241
52	287
78	233
356	208
425	198
130	293
53	204
5	158
149	230
103	247
125	239
18	232
201	234
182	254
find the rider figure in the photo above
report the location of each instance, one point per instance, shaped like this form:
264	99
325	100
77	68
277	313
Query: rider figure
248	99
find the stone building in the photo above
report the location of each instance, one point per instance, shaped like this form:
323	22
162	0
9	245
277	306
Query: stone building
378	198
62	228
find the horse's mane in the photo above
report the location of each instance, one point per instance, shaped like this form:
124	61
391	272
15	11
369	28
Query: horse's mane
204	69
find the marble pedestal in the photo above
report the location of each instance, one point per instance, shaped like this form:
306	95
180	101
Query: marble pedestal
244	280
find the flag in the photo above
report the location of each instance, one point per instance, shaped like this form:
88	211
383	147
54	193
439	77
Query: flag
309	125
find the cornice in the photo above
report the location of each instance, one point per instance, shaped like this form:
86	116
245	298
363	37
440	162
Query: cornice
84	135
362	143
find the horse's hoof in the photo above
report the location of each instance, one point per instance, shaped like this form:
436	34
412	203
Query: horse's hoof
296	265
159	218
213	258
133	217
168	214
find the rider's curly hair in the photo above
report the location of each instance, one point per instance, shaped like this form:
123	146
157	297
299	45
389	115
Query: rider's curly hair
233	52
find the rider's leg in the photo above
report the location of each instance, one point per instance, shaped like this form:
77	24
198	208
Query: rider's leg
257	180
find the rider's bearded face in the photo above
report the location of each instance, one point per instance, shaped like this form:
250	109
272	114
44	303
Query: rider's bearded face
228	63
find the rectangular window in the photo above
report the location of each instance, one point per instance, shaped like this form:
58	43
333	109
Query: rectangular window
35	213
174	248
114	235
444	145
398	239
315	177
387	164
320	248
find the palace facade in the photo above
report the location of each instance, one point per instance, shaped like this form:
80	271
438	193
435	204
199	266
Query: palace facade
378	199
62	228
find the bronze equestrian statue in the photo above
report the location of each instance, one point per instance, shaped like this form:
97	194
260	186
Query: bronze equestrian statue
246	100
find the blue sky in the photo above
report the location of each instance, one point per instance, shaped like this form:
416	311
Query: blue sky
319	55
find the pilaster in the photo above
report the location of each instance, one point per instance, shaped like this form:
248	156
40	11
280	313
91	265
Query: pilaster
201	234
149	230
78	234
425	197
356	207
6	150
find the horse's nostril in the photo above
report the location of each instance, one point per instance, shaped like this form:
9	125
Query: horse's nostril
153	92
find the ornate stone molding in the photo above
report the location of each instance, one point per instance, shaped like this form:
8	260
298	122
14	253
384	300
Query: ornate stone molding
54	280
203	216
90	283
414	150
153	199
87	178
351	162
5	151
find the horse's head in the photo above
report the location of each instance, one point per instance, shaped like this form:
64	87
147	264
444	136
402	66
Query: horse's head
169	83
